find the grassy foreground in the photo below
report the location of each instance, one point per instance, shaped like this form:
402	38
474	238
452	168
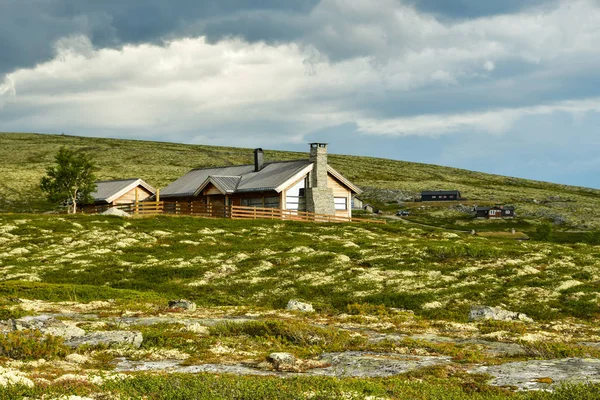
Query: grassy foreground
389	279
263	263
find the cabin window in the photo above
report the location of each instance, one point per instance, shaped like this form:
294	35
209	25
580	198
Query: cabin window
507	212
272	202
253	202
341	203
434	197
301	192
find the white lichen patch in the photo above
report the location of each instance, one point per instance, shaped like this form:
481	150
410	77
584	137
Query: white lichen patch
9	376
567	285
432	305
302	249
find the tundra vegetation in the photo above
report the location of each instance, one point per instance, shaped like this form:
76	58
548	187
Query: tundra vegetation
387	298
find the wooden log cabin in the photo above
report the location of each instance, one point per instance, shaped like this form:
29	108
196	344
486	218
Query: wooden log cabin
303	185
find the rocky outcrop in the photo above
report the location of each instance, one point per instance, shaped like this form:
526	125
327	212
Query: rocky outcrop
295	305
46	324
108	338
496	313
542	374
283	361
182	304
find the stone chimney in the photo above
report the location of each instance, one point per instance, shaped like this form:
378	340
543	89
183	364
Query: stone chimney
319	197
258	159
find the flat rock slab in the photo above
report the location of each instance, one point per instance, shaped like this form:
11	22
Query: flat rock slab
125	365
347	364
46	324
108	338
148	321
367	364
490	347
534	374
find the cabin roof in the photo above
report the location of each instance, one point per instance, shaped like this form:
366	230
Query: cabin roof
274	176
438	192
236	178
108	191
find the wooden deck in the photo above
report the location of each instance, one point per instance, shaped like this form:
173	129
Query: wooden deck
221	211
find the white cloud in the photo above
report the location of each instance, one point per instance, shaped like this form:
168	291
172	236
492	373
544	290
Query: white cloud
354	52
7	89
494	122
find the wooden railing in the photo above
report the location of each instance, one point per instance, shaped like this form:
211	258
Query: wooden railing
242	212
221	211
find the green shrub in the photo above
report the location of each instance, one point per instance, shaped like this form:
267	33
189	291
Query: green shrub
287	332
6	313
551	350
543	232
489	326
32	345
593	237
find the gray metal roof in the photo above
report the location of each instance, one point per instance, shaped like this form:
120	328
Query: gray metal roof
227	184
269	177
107	190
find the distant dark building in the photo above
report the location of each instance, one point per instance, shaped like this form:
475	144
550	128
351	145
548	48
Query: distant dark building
440	195
495	212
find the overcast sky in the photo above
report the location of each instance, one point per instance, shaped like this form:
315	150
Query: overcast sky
503	86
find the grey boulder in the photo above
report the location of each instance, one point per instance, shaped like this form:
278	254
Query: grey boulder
295	305
496	313
182	304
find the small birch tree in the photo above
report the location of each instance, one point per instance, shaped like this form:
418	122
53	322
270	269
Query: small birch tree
71	180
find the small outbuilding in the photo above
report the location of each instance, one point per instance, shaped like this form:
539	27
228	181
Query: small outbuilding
357	204
495	212
122	191
440	195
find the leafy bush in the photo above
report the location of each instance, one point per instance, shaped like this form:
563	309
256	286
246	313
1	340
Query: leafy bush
32	345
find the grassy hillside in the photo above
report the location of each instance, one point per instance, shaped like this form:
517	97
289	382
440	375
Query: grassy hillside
24	158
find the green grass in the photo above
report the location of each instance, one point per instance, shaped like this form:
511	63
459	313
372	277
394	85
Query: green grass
265	263
204	386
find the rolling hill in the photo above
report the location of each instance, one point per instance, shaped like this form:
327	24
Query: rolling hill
386	182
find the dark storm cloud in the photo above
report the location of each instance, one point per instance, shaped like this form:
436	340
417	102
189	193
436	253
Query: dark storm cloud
29	29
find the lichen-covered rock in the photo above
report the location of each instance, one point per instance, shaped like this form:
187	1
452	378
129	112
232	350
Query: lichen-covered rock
182	304
46	324
542	374
282	361
496	313
295	305
108	338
